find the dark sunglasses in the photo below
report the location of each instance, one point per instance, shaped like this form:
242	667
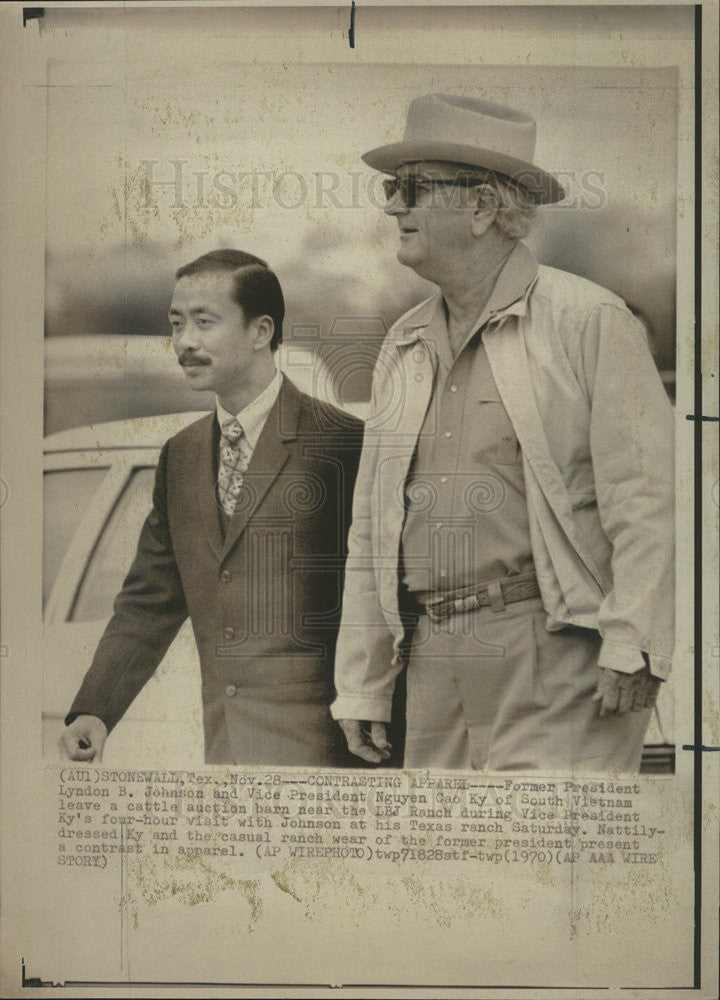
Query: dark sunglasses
410	185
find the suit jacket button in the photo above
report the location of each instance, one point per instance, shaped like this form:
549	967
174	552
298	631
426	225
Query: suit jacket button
231	690
226	576
229	632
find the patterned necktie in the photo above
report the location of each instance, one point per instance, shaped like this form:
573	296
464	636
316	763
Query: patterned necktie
232	465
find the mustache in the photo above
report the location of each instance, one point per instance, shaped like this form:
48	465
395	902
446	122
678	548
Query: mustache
190	358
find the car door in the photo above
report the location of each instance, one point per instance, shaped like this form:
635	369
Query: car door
95	501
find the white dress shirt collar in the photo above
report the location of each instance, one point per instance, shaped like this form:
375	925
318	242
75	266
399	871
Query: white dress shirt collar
253	416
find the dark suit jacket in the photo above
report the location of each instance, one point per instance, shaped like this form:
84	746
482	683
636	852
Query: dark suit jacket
263	597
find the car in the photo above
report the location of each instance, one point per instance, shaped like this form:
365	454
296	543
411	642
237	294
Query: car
98	484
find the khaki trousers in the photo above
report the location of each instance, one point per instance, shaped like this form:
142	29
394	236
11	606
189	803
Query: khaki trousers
496	691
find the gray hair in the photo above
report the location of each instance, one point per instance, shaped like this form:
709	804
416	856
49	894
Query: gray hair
515	209
514	205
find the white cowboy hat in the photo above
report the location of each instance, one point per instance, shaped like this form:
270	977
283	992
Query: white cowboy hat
472	132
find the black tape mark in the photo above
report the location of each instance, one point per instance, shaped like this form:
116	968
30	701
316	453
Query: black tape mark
351	29
32	14
702	748
31	981
691	416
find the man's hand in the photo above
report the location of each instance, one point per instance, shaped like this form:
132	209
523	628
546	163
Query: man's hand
84	738
366	739
619	693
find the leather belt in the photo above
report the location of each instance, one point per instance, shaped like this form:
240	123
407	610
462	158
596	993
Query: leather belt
495	595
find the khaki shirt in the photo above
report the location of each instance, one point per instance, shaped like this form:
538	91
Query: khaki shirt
466	520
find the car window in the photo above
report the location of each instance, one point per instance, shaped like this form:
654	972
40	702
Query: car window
111	557
66	495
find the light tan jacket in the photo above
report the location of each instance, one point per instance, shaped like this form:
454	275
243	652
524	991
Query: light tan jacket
596	429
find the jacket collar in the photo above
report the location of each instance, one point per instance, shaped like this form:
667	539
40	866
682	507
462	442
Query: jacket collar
253	416
508	297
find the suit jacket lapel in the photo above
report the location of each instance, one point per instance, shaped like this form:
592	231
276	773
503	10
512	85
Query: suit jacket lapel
270	455
199	479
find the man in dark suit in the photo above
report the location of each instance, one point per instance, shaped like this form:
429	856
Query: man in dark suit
246	535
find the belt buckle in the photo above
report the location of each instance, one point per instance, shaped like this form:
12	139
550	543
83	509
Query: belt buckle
438	609
496	596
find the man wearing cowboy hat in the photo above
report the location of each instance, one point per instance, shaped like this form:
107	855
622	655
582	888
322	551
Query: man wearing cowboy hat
513	514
